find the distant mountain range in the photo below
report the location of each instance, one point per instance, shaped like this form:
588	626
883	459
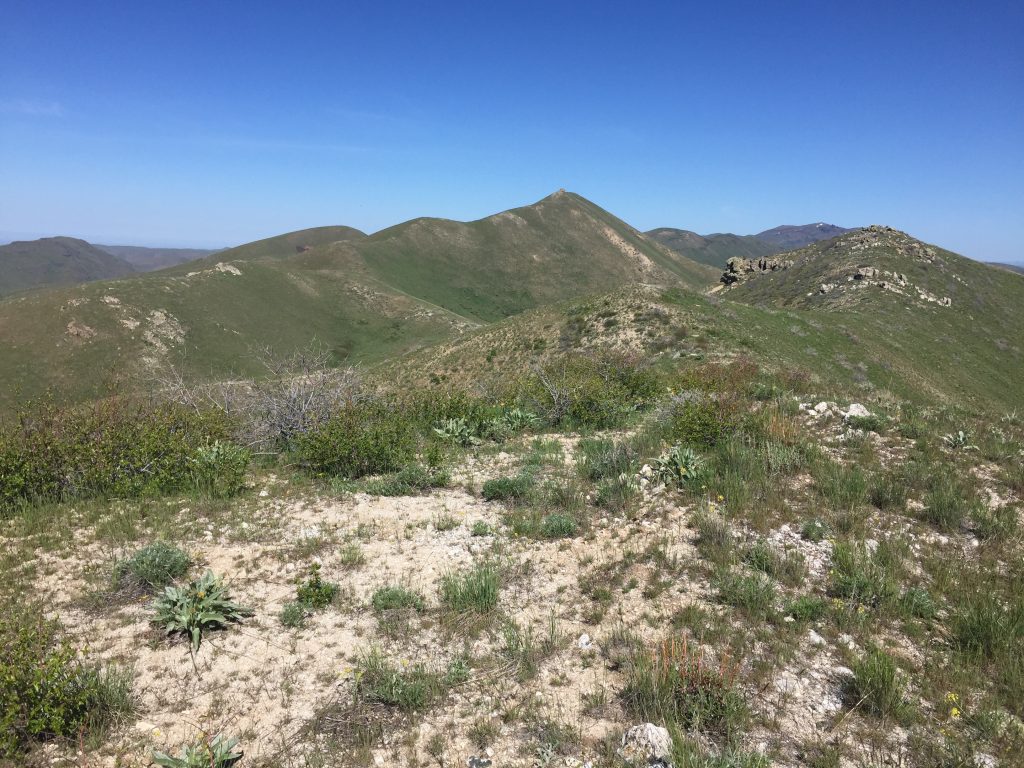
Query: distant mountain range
718	248
61	261
149	259
364	297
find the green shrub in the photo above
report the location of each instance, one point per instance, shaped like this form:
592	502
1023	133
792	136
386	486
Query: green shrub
684	690
156	565
115	448
984	627
864	577
601	459
889	490
411	689
616	494
314	593
362	439
788	567
594	392
395	598
559	526
507	488
877	687
844	487
481	528
408	481
714	538
702	422
216	752
1000	523
754	594
949	503
807	608
814	530
218	469
46	690
293	614
193	610
871	423
474	591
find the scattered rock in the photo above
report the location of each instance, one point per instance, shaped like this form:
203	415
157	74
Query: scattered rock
647	744
738	268
856	411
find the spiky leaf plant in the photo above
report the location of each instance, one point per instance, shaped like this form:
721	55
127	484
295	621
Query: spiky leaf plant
218	752
192	610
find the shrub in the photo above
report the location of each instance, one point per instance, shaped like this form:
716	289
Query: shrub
411	689
293	614
408	481
754	594
616	493
600	459
201	606
871	423
844	487
983	627
594	392
481	528
314	593
807	608
397	598
46	690
998	523
474	591
218	469
673	685
115	448
862	576
156	565
714	538
889	490
218	752
698	421
877	686
363	439
559	526
787	567
949	503
507	488
814	530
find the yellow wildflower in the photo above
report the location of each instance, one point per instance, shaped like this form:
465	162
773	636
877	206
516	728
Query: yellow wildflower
955	713
952	698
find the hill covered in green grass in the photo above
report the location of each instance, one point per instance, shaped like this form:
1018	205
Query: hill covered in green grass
55	261
363	298
145	259
716	249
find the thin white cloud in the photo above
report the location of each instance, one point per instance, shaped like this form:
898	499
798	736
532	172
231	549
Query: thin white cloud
31	108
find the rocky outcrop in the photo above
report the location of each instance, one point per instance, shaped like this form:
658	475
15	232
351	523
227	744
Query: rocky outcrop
738	269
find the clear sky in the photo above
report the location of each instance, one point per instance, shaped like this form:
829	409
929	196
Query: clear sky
216	123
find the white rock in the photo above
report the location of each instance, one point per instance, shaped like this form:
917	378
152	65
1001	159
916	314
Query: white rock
856	410
584	642
647	744
814	638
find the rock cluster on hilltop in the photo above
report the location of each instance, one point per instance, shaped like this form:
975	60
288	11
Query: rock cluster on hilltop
738	269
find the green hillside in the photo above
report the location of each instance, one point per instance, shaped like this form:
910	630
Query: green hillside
55	261
363	298
713	250
937	321
148	259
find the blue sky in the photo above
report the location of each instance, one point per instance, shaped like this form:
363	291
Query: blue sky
219	123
